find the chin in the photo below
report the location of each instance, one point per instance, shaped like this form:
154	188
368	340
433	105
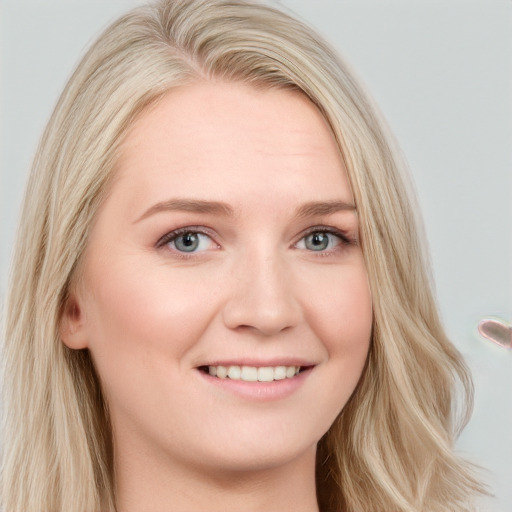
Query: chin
268	457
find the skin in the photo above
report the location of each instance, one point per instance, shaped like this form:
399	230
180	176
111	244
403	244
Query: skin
255	291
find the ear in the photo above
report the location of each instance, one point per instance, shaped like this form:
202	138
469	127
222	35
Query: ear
72	324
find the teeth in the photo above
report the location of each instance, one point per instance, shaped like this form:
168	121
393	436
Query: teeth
290	371
280	372
253	373
266	374
249	374
234	372
222	371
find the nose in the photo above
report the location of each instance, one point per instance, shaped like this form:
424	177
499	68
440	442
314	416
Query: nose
262	297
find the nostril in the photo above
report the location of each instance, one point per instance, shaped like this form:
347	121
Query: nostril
262	300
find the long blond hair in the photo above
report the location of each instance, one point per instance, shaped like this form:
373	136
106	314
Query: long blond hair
391	448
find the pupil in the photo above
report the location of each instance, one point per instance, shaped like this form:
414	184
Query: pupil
187	242
189	239
318	241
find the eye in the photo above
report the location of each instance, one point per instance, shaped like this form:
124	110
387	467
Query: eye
187	241
321	241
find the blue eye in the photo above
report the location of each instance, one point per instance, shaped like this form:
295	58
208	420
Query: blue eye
319	241
187	241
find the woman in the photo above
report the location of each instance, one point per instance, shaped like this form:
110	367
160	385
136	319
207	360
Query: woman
219	294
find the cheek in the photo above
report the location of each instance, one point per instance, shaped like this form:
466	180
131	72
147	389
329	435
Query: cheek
138	310
142	325
341	311
341	315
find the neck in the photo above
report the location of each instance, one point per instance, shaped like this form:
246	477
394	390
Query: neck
145	486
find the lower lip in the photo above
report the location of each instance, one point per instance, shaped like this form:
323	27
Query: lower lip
259	391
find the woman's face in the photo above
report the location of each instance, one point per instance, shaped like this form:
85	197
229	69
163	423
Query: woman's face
228	244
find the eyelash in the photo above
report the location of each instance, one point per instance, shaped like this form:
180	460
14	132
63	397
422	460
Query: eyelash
174	235
345	240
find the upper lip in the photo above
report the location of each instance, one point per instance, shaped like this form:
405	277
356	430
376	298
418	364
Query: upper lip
259	363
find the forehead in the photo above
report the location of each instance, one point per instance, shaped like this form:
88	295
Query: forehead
207	138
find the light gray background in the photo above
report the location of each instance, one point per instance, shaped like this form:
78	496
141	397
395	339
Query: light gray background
441	72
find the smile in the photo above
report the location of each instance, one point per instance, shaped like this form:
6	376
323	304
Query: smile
253	373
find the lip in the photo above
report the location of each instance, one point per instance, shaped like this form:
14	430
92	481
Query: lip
259	363
258	391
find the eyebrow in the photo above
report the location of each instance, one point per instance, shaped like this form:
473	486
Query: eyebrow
318	208
189	205
311	209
